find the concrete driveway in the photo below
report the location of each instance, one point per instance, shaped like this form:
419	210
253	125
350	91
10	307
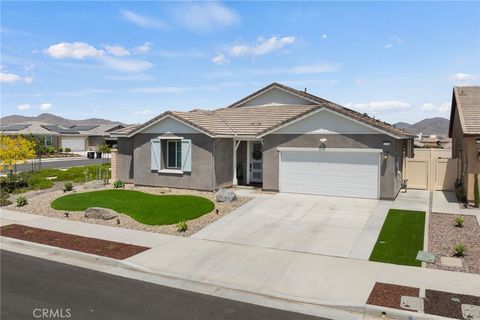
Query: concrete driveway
305	223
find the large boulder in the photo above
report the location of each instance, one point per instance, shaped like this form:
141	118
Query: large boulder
224	195
100	213
96	184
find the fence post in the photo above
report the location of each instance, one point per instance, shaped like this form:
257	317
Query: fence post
114	164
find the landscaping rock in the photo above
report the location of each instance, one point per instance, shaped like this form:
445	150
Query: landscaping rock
224	195
100	213
96	184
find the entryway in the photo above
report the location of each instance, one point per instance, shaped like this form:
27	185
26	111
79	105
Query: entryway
248	157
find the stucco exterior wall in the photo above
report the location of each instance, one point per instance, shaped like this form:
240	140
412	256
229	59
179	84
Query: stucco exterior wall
93	142
390	171
201	176
223	154
125	159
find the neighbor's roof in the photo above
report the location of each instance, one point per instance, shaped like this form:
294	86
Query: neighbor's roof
468	106
255	121
40	128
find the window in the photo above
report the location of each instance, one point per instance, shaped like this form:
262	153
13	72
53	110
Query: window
174	154
48	141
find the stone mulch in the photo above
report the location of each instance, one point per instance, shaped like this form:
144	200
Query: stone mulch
443	235
446	304
105	248
389	295
41	205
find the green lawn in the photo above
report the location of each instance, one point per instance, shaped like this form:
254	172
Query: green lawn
75	174
401	238
145	208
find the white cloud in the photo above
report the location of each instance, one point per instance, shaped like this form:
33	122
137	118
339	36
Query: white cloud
445	107
144	48
12	78
117	51
23	107
426	107
262	46
76	50
45	106
143	21
126	65
145	112
204	16
9	77
388	46
324	36
220	59
376	106
464	76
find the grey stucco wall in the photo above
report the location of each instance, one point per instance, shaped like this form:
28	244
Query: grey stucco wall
93	142
389	177
223	162
125	159
200	178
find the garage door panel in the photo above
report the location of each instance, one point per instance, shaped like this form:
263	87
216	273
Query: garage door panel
74	143
351	174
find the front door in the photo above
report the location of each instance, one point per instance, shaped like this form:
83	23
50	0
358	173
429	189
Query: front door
256	156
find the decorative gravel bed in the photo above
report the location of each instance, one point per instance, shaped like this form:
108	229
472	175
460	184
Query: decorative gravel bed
389	295
99	247
447	304
443	236
41	205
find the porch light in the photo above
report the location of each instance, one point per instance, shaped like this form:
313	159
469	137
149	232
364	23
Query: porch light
323	143
386	143
385	155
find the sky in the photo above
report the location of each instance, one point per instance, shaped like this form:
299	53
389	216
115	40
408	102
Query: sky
130	61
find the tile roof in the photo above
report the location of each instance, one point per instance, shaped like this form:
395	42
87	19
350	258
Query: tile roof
40	128
468	106
255	121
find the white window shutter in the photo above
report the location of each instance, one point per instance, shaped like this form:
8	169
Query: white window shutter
155	151
186	155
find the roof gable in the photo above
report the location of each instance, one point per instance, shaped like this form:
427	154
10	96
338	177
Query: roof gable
275	96
325	121
466	105
168	125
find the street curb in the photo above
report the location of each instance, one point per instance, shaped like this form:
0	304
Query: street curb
365	310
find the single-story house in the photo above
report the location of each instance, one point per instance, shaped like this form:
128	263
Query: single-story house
79	138
465	133
278	138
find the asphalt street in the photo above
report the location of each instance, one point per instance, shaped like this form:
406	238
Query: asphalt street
33	288
60	164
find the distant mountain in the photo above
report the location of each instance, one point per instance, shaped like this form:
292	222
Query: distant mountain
53	119
437	126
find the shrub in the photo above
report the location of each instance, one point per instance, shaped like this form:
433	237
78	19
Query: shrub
4	201
461	196
118	184
37	183
459	221
68	149
182	226
60	150
67	186
476	191
14	181
21	201
459	250
50	150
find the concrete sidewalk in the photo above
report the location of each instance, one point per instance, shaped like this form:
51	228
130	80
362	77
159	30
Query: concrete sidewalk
445	202
416	200
281	274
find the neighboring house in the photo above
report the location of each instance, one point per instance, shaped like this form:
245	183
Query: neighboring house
465	133
79	138
278	137
433	141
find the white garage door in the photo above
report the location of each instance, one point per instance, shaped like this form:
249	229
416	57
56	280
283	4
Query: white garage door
74	143
347	174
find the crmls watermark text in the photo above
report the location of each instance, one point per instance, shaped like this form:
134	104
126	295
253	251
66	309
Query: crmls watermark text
48	313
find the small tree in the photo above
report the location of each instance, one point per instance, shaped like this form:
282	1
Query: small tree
104	148
476	192
15	150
